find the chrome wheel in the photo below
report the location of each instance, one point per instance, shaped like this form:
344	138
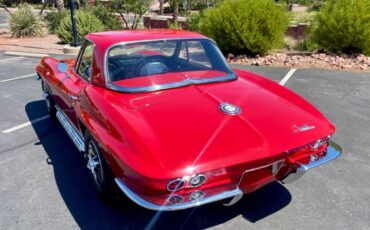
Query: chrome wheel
94	163
100	172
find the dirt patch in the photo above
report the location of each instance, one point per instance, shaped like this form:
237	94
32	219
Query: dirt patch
49	44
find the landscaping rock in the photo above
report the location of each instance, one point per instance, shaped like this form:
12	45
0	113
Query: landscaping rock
327	61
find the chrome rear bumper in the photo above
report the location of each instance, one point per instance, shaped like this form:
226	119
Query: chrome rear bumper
333	151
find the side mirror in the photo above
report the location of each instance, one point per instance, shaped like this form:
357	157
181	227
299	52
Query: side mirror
62	67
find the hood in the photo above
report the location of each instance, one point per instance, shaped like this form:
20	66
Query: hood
177	129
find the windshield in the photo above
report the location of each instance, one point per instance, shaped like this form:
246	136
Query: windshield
163	64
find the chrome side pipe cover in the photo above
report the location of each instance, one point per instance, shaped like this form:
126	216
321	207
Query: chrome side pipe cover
72	132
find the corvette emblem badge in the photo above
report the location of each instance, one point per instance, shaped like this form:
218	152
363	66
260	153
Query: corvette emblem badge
302	128
230	109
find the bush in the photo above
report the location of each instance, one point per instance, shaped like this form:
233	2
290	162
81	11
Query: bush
106	16
53	20
24	23
85	22
246	26
194	20
343	26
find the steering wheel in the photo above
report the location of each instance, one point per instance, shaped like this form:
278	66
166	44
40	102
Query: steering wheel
88	71
114	70
154	64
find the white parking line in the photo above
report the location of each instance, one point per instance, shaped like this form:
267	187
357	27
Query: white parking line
28	123
287	77
17	78
9	59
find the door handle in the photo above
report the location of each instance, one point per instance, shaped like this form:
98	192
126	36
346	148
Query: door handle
74	98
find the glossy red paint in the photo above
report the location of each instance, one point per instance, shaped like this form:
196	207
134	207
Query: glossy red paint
151	138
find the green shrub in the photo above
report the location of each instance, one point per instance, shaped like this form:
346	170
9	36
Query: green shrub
194	20
106	16
24	23
307	43
343	26
85	22
174	25
53	20
246	26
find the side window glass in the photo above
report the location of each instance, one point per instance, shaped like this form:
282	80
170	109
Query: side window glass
85	68
197	54
193	52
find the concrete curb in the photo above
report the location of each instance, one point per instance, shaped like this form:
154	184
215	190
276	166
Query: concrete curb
70	50
25	54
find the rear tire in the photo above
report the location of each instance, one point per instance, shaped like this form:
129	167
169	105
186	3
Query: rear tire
49	101
99	170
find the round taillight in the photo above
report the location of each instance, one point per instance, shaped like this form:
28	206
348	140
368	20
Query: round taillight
313	158
317	144
175	185
196	195
176	199
197	180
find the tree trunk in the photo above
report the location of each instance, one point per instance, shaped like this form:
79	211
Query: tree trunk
161	7
60	5
175	14
6	9
189	6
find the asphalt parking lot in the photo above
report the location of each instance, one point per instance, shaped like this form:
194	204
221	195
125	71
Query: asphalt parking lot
44	183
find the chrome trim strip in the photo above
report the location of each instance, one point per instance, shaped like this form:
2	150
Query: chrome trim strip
185	82
333	151
148	205
71	130
110	85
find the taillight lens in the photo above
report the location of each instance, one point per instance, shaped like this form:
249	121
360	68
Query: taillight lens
175	185
176	199
197	195
197	180
319	143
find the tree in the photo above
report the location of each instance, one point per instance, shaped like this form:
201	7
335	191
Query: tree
161	7
131	11
175	5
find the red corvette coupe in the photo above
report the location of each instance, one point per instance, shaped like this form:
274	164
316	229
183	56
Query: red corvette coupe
161	114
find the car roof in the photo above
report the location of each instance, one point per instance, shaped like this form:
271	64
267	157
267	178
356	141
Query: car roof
112	37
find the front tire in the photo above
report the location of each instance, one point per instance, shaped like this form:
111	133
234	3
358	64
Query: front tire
100	173
50	105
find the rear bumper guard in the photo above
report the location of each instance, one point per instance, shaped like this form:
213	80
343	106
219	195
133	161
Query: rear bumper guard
333	151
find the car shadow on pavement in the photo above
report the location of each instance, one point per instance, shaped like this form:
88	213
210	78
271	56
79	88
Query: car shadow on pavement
90	212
